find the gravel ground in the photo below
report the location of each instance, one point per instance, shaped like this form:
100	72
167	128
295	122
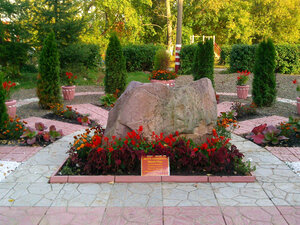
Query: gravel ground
33	109
224	83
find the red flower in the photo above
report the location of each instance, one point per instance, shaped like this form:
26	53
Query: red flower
204	146
140	128
99	149
295	81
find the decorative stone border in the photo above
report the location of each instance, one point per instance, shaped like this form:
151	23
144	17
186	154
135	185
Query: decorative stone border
148	179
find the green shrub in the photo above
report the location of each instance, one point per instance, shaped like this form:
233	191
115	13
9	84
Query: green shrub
187	54
115	72
225	55
140	57
161	60
287	59
48	84
3	110
80	55
203	65
242	57
264	81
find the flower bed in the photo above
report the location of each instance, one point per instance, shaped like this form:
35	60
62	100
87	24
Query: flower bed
286	134
15	132
67	114
98	155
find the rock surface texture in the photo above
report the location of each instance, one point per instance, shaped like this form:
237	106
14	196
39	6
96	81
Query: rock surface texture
190	109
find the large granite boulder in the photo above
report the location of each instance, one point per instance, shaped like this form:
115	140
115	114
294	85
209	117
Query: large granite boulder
189	109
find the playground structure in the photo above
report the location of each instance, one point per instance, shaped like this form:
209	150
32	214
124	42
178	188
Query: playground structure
217	48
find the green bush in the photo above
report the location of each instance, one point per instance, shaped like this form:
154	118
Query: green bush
242	57
264	81
203	65
225	55
115	67
287	59
161	60
187	54
48	84
3	110
140	57
81	54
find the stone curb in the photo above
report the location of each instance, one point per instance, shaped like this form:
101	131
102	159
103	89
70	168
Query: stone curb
151	179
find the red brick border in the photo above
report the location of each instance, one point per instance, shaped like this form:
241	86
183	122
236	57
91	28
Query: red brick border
148	179
151	179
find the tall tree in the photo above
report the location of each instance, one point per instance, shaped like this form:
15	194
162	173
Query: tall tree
264	82
115	67
48	85
169	25
13	37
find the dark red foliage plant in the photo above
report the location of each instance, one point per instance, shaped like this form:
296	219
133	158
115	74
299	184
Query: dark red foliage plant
97	154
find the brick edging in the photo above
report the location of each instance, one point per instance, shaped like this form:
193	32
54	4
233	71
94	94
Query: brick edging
148	179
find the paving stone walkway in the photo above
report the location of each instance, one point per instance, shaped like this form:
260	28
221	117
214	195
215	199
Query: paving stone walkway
27	197
95	113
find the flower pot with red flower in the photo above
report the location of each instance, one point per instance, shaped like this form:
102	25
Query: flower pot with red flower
297	83
10	103
164	77
242	89
69	90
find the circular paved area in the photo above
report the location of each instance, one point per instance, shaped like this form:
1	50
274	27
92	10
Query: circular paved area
26	197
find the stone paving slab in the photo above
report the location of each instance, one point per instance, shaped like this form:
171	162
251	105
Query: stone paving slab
247	125
239	194
21	215
136	194
224	107
67	128
288	154
73	216
95	113
193	215
17	153
188	194
291	214
133	215
253	215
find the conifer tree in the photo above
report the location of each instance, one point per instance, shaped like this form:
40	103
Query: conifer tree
203	65
115	64
3	110
48	84
264	82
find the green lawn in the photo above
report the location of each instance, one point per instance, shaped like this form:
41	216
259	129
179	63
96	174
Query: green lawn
92	77
138	76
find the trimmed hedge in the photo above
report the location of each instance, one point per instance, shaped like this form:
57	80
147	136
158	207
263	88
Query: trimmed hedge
225	55
80	54
187	55
242	57
140	57
287	59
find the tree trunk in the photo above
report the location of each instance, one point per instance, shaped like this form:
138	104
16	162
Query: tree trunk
169	25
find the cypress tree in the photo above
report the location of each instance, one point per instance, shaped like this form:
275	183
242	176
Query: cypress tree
264	82
203	64
48	84
115	64
3	110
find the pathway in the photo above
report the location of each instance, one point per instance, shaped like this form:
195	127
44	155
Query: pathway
95	113
26	197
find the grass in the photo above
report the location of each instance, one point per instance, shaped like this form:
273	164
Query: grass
91	77
29	80
137	76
